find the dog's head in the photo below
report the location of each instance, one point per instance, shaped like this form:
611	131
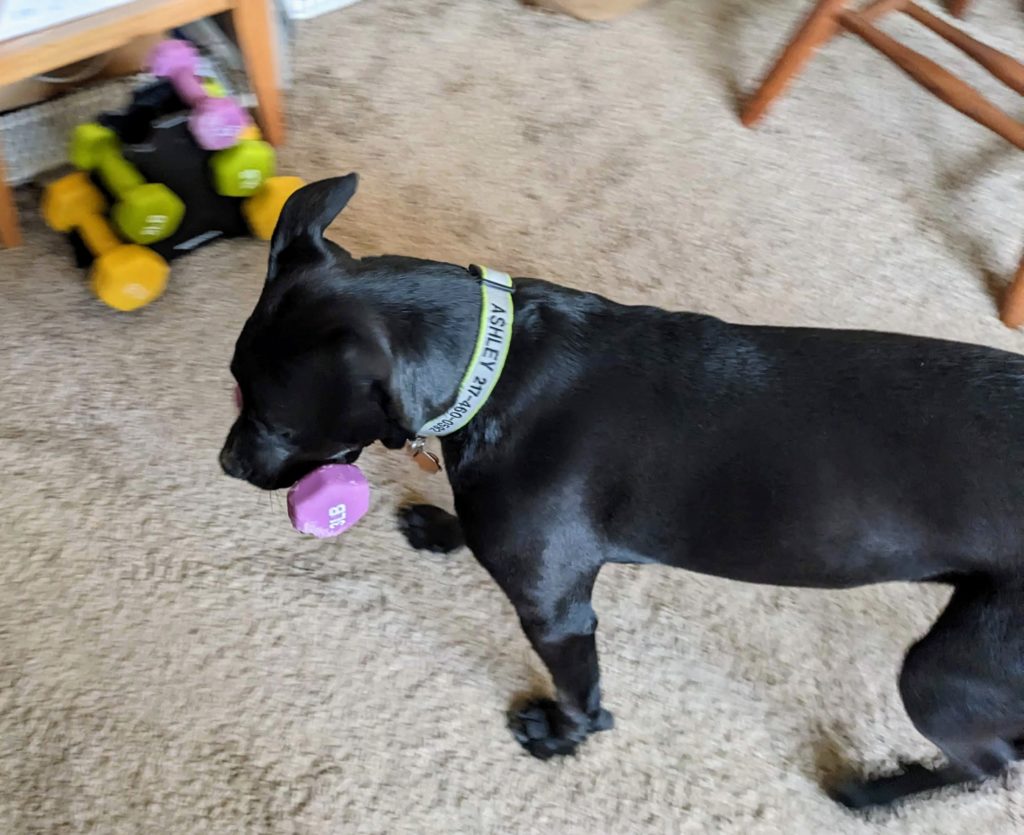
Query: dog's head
310	362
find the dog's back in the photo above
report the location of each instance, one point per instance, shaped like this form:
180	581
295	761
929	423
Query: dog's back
781	455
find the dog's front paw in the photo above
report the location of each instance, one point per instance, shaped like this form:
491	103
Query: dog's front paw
428	528
547	730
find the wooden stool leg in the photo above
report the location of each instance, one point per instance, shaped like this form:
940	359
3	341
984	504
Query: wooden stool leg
958	7
1012	312
10	231
819	27
256	38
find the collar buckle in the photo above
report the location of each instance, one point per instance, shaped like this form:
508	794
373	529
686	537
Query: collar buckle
483	275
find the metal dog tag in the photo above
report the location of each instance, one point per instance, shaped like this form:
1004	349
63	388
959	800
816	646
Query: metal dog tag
424	458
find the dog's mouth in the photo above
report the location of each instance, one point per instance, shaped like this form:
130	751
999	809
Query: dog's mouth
275	466
348	457
293	473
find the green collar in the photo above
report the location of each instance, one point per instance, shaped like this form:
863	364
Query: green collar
492	344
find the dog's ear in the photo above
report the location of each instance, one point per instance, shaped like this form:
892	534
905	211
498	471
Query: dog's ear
305	216
371	414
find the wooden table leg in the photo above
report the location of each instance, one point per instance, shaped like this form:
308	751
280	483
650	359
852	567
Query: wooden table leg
819	27
937	80
256	38
10	231
1012	311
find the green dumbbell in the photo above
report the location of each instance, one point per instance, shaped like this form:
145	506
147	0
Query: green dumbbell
239	171
145	212
89	143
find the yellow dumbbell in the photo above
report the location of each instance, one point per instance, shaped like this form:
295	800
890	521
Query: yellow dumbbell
250	132
264	207
125	276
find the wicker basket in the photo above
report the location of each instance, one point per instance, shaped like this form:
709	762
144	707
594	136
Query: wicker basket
305	9
35	139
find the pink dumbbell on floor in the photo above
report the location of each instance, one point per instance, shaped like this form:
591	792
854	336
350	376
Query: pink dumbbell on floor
215	123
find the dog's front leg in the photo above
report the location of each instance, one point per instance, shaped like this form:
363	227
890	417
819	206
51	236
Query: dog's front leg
559	620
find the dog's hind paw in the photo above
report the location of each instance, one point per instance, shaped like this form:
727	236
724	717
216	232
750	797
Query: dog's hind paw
914	778
428	528
546	730
853	794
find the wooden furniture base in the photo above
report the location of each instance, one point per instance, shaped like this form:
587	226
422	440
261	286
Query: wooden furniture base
831	17
1012	311
10	231
76	40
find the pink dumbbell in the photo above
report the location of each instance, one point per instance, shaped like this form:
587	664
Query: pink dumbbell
329	500
215	122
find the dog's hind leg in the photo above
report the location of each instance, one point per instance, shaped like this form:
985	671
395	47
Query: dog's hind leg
963	687
429	528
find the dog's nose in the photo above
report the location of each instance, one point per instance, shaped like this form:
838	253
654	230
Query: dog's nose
231	465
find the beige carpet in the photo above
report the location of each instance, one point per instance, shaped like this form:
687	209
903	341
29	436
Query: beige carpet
174	659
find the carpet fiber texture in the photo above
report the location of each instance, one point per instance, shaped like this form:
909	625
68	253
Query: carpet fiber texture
174	659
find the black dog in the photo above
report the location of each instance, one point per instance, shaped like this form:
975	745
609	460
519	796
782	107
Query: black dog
775	455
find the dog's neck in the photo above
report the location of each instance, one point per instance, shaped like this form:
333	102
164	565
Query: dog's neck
430	323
